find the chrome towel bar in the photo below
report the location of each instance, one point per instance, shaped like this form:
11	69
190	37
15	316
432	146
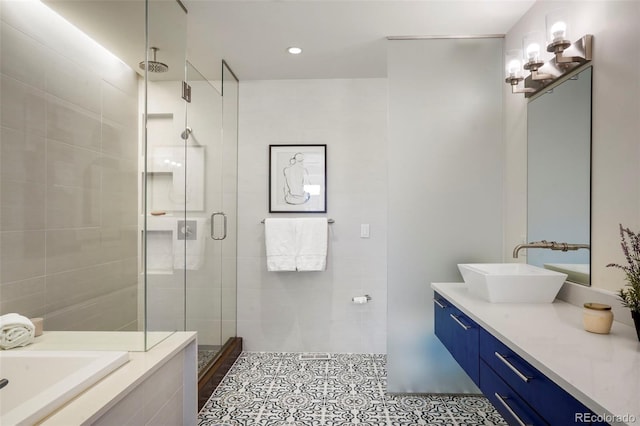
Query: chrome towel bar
328	221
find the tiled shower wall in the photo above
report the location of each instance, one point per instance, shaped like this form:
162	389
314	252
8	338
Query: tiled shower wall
68	220
312	311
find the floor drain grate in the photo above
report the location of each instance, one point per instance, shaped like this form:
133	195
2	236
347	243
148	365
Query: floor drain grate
315	357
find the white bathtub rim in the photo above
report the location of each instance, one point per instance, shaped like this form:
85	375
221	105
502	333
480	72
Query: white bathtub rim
57	395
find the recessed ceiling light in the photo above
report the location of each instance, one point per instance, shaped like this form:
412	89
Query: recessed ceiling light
294	50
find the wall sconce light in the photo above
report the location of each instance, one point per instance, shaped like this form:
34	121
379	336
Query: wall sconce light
531	45
513	62
567	56
556	23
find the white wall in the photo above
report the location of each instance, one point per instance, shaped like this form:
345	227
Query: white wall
615	193
312	311
445	187
69	172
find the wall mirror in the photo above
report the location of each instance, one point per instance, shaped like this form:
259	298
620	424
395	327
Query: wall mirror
559	175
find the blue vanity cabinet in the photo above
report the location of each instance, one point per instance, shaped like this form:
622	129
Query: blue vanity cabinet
459	334
548	399
520	392
509	404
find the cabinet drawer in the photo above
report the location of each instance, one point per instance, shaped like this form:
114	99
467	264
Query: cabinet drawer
554	404
459	334
442	328
508	403
466	350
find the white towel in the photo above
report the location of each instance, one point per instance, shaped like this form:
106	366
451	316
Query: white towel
15	331
311	244
280	239
194	249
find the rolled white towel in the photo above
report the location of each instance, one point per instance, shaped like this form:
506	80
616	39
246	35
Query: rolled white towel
15	330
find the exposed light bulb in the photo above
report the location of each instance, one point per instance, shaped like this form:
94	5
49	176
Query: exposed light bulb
294	50
513	68
558	31
533	52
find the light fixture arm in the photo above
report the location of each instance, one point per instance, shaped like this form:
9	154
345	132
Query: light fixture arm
582	46
533	67
514	81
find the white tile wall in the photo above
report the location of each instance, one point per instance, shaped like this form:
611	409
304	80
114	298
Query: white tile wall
312	311
15	64
23	107
23	205
23	156
68	221
104	313
26	296
23	255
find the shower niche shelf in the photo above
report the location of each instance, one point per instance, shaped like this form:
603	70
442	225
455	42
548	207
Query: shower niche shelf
172	185
160	191
160	252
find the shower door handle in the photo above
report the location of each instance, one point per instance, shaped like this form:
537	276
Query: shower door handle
224	234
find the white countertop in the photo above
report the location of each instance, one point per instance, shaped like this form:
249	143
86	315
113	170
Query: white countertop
601	371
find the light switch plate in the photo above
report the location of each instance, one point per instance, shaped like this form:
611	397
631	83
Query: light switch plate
364	230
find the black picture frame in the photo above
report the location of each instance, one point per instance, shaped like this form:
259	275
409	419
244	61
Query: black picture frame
298	178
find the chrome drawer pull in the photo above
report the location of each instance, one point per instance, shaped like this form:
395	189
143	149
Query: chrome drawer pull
463	325
506	406
511	366
437	302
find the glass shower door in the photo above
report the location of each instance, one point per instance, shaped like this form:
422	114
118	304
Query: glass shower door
205	218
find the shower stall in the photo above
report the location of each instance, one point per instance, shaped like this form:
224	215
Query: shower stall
119	174
188	236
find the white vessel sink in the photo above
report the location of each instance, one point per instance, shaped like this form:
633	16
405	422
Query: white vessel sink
512	282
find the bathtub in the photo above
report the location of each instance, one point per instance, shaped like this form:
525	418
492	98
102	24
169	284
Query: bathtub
42	381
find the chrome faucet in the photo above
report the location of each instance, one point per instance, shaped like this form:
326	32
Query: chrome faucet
552	245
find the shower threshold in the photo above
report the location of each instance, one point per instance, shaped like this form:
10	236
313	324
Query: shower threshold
213	367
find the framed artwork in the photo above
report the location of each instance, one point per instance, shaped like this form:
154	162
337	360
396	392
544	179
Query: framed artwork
297	178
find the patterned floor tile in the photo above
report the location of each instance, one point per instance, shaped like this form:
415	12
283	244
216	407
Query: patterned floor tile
280	389
205	356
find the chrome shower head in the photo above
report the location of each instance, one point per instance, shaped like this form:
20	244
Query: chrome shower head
154	65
